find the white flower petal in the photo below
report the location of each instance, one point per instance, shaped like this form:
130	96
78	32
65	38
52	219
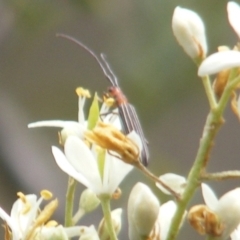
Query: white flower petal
209	196
82	160
234	16
70	127
23	221
219	61
114	172
174	181
10	222
63	163
166	213
81	102
52	123
228	209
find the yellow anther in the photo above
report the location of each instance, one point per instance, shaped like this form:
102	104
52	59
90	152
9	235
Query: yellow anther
46	213
108	137
109	101
22	197
27	205
46	195
51	223
81	92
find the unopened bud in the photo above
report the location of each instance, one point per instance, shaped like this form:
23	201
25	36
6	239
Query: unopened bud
88	200
189	30
174	181
234	16
143	208
116	221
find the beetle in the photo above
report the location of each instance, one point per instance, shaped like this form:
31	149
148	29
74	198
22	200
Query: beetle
127	113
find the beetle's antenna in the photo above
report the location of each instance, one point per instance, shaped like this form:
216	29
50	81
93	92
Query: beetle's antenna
109	78
104	58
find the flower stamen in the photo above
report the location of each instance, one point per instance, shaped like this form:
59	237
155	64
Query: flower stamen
27	205
109	137
81	92
46	195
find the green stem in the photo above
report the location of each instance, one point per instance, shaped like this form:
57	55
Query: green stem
69	202
210	94
212	125
105	202
78	215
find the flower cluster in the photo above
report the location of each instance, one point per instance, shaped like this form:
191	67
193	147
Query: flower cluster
96	153
27	221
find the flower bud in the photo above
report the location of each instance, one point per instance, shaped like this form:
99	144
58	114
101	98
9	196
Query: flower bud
233	10
189	31
88	201
116	221
174	181
143	208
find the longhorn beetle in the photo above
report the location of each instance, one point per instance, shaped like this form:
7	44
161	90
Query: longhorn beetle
128	116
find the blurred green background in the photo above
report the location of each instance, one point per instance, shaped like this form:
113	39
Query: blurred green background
39	74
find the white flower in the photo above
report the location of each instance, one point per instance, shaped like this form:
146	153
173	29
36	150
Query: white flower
233	10
82	164
174	181
23	218
20	222
189	31
219	61
227	208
